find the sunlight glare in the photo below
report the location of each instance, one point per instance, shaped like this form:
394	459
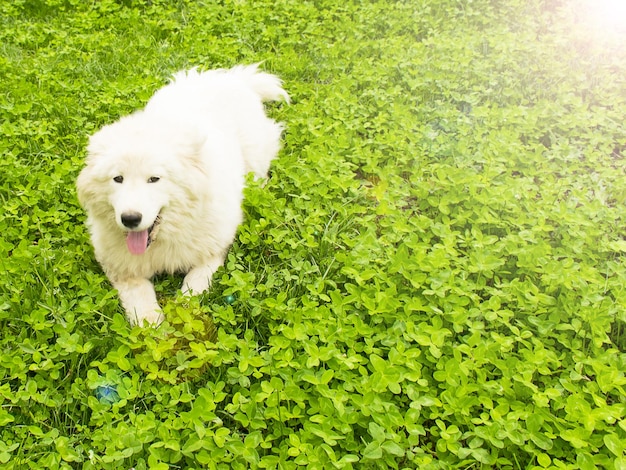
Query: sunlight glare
609	15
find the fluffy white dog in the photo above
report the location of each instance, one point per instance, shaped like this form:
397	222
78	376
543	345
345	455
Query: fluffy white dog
163	187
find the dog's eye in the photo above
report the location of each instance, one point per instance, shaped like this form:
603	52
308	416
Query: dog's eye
118	179
153	179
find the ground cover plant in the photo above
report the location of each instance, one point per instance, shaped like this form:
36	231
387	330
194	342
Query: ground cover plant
433	277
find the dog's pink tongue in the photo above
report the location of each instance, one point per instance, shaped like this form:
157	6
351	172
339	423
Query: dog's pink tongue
137	242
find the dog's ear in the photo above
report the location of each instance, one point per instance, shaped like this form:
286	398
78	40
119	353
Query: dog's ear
89	184
101	143
88	187
111	139
191	162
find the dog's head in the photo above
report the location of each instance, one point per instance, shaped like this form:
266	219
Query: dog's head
133	176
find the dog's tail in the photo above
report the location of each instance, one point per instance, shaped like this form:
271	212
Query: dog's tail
267	86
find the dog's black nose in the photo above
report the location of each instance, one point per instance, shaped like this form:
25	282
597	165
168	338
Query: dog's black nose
131	219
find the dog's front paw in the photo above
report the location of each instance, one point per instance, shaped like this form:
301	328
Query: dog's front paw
139	301
195	283
151	317
198	279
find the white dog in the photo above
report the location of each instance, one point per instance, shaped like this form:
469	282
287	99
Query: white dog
163	187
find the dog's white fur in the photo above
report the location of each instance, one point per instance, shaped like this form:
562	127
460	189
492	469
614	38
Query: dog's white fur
182	159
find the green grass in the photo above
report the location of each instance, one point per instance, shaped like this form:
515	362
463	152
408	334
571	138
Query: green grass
433	277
